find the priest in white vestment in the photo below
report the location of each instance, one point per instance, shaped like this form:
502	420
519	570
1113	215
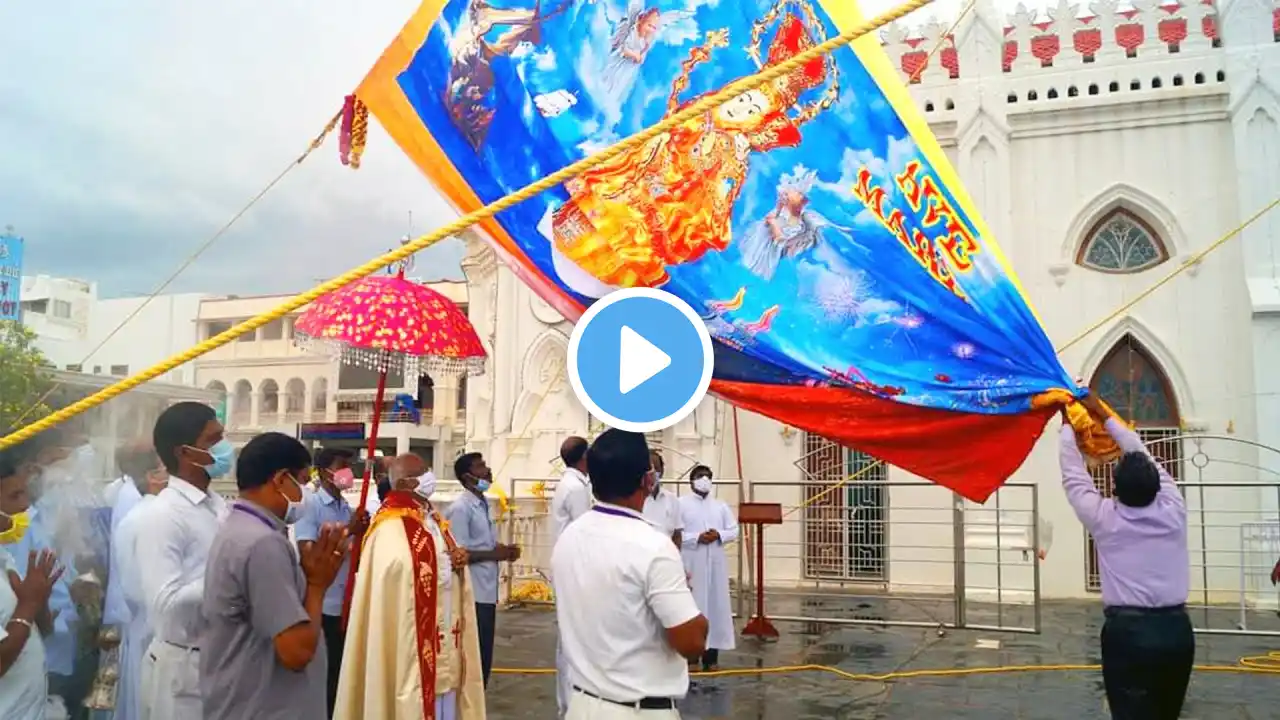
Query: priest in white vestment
708	525
412	651
124	582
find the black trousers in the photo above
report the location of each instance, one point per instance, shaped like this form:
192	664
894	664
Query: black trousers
710	658
486	623
334	638
1146	661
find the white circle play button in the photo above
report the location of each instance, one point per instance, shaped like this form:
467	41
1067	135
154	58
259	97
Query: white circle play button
640	359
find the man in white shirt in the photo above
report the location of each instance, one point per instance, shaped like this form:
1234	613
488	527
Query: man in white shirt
144	477
627	618
572	498
131	458
172	551
662	507
573	492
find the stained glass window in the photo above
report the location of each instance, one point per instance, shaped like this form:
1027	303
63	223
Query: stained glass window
1121	243
1131	383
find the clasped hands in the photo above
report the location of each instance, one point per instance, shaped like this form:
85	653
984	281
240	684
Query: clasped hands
506	553
708	537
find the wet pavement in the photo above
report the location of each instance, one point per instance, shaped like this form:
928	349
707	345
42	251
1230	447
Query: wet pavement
526	639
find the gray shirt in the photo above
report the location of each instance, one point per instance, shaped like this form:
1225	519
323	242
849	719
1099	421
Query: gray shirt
253	591
472	528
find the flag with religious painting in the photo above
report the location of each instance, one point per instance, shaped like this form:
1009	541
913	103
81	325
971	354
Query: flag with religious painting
850	286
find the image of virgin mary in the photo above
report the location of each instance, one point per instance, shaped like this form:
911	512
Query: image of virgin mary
670	201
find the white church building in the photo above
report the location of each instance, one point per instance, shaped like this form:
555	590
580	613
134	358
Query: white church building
1105	147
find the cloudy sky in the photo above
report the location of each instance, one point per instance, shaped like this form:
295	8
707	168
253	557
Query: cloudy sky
132	130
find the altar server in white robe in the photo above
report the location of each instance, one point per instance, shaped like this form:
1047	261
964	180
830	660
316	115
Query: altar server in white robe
708	525
126	605
571	500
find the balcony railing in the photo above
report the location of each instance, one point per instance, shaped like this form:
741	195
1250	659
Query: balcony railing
362	411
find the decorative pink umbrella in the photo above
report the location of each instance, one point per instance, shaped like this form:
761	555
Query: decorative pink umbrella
387	323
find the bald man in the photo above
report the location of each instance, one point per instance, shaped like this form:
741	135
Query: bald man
409	472
383	675
573	492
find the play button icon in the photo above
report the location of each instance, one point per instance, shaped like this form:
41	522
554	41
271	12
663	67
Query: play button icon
640	359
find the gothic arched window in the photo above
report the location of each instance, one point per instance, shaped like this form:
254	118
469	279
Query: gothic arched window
1121	243
1132	383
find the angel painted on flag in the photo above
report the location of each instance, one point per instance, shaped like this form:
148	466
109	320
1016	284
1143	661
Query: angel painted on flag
789	229
473	50
670	201
633	36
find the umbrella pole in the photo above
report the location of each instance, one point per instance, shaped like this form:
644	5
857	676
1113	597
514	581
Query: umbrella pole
356	543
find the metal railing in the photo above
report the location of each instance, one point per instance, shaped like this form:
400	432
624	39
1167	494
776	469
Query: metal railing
362	411
939	561
1233	538
925	547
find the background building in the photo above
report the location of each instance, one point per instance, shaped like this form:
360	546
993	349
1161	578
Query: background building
59	311
71	321
270	384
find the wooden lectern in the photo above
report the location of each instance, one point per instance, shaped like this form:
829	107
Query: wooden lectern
758	515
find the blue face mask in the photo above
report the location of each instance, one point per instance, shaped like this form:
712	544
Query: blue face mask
482	485
223	454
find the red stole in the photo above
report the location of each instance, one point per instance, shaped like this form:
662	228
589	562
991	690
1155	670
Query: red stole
422	548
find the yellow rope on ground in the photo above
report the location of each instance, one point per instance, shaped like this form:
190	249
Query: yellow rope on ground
697	108
315	144
1244	667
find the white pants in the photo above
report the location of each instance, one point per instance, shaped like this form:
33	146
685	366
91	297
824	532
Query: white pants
171	683
564	684
134	646
447	706
585	707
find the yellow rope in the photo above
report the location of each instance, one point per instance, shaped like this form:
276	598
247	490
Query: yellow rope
312	147
710	102
942	40
1245	666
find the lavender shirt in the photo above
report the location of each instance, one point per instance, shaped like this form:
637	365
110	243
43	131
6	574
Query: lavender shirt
1142	552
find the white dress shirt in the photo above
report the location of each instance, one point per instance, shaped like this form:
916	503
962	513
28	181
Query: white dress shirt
173	548
618	585
115	610
572	498
663	512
